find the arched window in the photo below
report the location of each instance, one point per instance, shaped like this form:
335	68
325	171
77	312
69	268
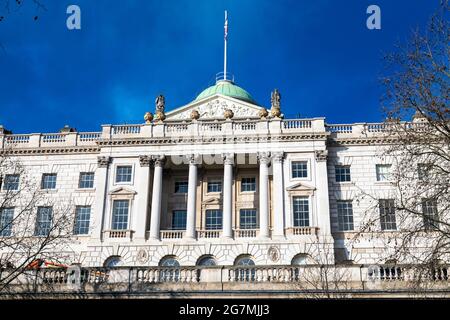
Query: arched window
113	261
206	261
170	271
245	270
300	259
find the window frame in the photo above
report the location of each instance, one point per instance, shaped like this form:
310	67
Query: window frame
242	184
80	180
308	169
377	173
428	224
173	219
75	229
178	182
116	168
37	228
45	175
309	220
341	219
336	175
385	222
5	182
214	181
216	224
10	223
128	214
255	225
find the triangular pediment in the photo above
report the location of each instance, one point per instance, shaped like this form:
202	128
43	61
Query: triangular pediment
213	108
301	186
122	191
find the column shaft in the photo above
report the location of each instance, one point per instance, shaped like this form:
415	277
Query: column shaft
156	199
227	220
191	201
278	195
264	196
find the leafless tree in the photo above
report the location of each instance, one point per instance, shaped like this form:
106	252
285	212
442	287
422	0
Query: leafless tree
417	87
25	237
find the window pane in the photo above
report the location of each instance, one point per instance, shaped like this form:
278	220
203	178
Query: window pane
430	214
120	215
247	219
43	221
82	219
342	173
213	219
383	172
214	186
248	184
387	214
11	182
301	211
86	180
181	187
299	169
123	173
179	219
345	215
48	181
6	219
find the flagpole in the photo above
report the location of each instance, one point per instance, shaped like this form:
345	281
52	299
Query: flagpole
225	47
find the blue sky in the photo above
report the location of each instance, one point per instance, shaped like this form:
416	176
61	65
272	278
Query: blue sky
319	54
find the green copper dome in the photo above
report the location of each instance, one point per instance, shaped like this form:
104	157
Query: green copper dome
227	88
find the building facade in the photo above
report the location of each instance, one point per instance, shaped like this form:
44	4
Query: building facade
219	181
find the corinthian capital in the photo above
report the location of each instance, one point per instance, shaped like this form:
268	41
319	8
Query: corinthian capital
228	158
278	156
159	160
103	162
321	155
145	161
264	157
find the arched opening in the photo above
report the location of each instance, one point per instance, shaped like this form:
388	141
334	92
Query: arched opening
300	259
206	260
113	261
245	268
170	271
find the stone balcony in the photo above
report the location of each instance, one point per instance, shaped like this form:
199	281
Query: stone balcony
249	281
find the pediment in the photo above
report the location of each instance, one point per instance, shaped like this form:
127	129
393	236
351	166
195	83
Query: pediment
213	107
214	200
122	191
301	187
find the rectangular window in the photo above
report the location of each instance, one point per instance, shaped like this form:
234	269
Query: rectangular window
181	187
248	184
387	214
247	219
214	186
383	172
342	173
43	221
11	182
179	219
6	220
423	171
48	181
124	173
82	219
430	214
301	211
345	215
86	180
213	220
120	215
299	169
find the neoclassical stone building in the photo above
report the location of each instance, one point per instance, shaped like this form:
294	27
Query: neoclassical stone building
219	181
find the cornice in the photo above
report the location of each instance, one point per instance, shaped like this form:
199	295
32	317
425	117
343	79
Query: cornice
54	150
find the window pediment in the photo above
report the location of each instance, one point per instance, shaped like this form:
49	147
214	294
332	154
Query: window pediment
301	188
123	193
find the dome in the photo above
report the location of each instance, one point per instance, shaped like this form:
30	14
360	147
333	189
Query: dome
226	88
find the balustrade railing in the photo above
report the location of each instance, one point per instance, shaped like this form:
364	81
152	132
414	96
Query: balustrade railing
245	233
297	124
172	234
303	231
208	234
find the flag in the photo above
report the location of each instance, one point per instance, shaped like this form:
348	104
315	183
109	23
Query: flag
225	27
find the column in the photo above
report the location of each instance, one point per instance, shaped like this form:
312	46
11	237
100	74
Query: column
155	217
278	194
227	219
264	160
143	184
101	183
192	197
322	198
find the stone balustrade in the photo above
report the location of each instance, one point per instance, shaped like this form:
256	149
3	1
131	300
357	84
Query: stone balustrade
161	130
348	279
